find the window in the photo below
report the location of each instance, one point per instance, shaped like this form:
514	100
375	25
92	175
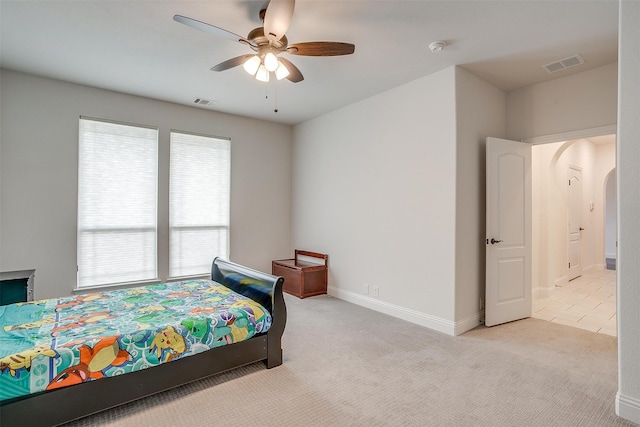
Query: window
117	203
200	173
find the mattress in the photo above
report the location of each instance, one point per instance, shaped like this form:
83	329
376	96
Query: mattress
54	343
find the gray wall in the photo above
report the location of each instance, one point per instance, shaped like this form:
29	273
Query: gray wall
628	181
374	187
392	187
480	113
576	102
38	175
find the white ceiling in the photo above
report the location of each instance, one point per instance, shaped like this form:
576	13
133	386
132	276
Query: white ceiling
136	47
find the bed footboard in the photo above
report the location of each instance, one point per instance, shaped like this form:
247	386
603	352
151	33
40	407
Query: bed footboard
263	288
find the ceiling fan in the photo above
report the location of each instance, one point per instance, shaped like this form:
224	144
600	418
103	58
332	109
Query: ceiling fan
268	42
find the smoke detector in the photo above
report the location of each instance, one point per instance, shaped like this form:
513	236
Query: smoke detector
437	46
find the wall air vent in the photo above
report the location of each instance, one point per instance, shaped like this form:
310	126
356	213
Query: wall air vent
565	63
204	102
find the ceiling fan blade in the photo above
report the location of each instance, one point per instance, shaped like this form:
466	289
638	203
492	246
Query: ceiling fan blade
208	28
277	18
321	49
233	62
295	75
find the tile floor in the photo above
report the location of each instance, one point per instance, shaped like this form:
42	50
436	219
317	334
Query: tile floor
587	302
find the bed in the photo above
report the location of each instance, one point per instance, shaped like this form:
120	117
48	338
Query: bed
88	366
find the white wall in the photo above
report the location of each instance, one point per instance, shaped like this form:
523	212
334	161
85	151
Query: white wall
38	175
480	113
580	101
605	164
611	217
374	187
543	192
628	180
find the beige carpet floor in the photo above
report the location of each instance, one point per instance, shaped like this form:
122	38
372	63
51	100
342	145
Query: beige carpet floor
349	366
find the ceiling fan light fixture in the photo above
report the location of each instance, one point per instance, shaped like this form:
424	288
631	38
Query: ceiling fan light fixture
282	71
262	74
252	64
268	42
271	61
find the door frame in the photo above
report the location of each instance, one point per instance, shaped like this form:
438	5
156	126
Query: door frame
563	137
570	207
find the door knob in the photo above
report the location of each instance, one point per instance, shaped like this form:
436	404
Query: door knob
494	241
581	229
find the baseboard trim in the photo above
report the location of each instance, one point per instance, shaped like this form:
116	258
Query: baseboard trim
413	316
628	408
465	325
594	267
542	292
561	281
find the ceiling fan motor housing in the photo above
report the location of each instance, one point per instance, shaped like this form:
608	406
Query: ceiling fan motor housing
257	36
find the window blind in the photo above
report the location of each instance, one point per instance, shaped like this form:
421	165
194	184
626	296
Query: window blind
117	203
199	192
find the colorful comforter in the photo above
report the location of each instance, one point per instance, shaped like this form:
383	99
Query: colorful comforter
54	343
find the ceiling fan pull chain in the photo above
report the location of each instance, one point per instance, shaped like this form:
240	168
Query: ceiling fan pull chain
275	96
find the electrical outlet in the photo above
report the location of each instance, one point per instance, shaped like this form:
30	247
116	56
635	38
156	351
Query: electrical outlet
376	291
366	289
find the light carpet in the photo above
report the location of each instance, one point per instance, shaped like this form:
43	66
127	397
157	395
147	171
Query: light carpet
345	365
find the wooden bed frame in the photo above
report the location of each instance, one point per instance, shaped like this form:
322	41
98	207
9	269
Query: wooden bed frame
67	404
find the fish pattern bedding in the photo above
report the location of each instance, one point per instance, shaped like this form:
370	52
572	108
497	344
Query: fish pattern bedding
54	343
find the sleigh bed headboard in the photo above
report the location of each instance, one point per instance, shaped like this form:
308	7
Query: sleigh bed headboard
251	283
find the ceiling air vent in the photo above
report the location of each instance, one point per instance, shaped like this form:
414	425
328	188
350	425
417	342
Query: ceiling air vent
569	62
203	102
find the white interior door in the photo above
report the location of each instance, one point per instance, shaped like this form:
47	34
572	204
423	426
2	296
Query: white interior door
575	221
508	243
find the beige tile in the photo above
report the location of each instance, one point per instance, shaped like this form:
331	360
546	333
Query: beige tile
594	321
602	314
588	302
557	305
606	331
589	328
565	315
538	305
571	298
601	297
575	324
557	295
608	306
594	290
542	316
606	289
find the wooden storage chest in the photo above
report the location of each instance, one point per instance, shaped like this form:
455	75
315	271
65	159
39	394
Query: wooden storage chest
302	278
